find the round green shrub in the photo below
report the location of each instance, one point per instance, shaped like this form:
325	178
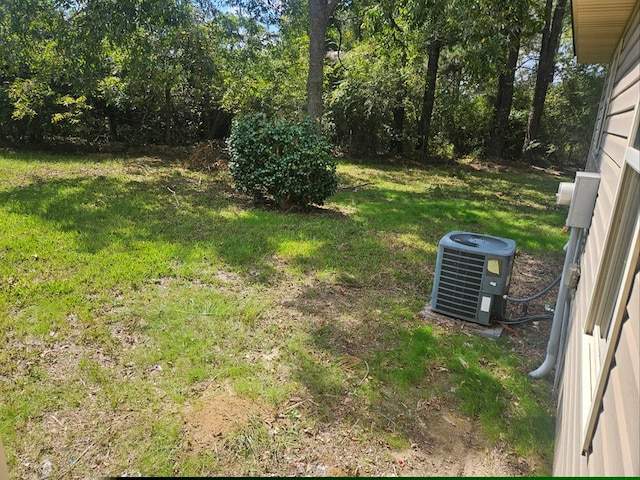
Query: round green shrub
283	160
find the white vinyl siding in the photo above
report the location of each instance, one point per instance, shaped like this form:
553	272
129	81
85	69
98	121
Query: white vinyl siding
608	367
609	307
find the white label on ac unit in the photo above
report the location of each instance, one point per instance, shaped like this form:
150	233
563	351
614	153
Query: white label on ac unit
485	306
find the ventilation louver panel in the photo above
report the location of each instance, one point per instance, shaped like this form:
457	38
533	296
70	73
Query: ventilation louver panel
472	274
460	282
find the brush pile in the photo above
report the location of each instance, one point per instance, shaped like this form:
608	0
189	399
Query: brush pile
208	156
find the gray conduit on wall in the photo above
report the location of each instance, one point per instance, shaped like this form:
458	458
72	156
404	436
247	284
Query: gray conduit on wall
565	323
559	314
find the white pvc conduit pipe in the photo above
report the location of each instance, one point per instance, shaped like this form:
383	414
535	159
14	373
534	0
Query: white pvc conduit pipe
559	313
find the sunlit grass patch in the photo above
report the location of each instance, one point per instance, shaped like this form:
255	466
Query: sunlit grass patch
129	286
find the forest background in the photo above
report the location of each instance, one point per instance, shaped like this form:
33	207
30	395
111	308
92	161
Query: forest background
427	79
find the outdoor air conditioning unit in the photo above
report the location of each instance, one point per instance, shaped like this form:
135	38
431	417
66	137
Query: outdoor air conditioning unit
473	273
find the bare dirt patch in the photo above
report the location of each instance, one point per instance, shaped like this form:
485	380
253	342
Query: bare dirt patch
216	413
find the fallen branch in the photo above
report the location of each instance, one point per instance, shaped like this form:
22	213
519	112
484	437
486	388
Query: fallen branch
175	196
364	379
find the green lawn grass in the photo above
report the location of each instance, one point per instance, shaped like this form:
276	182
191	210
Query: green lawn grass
128	284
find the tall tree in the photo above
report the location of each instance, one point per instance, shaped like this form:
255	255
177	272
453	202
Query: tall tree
546	68
444	25
395	37
428	98
319	14
515	13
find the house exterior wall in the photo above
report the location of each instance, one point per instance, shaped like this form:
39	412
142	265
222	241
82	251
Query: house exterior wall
615	439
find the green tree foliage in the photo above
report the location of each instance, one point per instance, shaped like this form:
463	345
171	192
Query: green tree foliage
570	110
34	72
418	65
286	161
412	77
263	71
363	101
159	71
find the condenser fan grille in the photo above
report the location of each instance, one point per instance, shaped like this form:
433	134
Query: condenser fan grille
460	282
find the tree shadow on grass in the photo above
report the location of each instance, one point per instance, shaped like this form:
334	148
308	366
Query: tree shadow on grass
103	211
172	207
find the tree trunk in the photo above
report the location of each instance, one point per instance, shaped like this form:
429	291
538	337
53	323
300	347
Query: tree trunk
319	13
544	76
168	115
504	99
399	114
113	123
428	99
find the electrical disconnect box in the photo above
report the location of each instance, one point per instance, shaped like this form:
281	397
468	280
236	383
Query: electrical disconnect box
581	198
